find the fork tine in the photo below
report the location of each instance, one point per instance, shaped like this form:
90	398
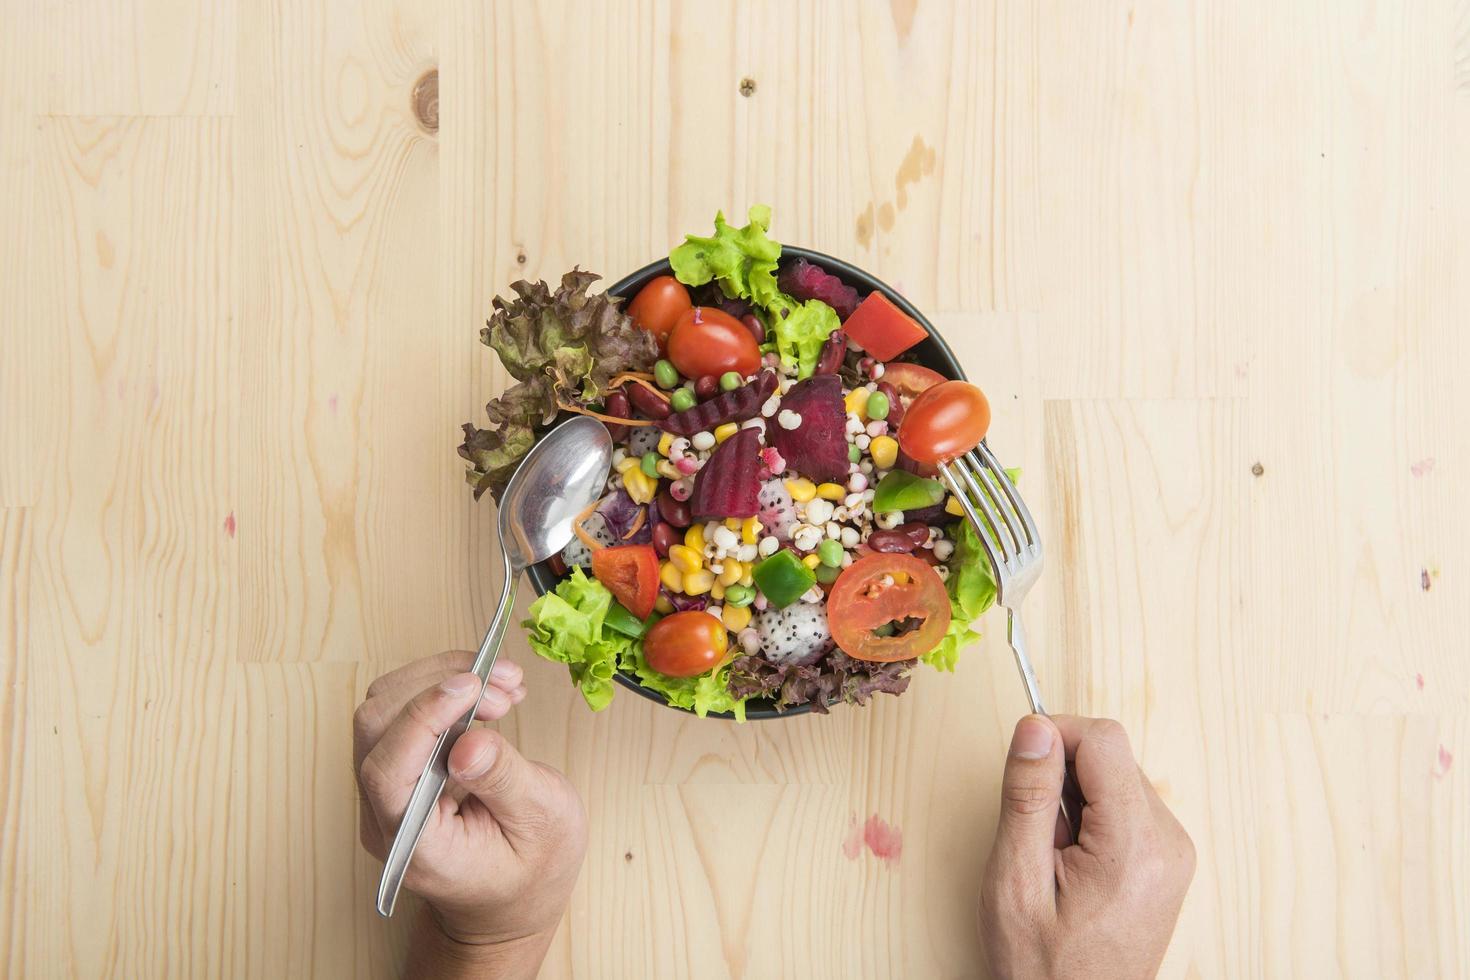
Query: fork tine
982	527
1011	493
996	500
981	500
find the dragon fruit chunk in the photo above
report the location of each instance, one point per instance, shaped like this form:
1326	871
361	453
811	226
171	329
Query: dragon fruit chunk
577	553
804	281
797	635
777	509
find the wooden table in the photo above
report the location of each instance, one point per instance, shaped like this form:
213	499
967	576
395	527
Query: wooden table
1210	261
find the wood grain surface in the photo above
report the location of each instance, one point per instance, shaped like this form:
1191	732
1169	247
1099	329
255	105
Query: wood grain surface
1209	259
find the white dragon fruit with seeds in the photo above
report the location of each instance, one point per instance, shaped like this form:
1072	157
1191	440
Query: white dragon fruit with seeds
644	439
577	553
797	635
777	509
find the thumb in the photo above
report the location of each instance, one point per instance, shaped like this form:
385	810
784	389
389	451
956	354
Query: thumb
486	765
1031	790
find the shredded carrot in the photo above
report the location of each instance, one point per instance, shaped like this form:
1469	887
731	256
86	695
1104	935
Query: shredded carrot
630	376
592	543
645	382
613	419
637	522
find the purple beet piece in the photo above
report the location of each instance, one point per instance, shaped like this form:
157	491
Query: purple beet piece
805	281
935	515
732	406
728	484
817	448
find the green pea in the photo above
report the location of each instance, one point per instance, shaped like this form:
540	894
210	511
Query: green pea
739	595
730	380
665	374
650	464
877	406
681	399
830	551
826	574
854	454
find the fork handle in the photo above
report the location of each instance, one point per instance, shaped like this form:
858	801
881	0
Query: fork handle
1072	799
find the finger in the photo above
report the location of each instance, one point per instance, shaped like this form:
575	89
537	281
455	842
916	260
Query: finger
419	674
514	790
376	713
392	767
1023	859
1108	775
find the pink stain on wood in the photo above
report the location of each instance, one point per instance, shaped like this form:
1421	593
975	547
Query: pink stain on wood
882	839
1446	759
332	404
230	524
1419	681
1423	467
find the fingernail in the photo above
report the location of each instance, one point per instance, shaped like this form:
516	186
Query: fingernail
479	765
1032	739
459	685
504	670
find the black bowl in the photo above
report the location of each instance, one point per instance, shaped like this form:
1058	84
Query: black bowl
932	353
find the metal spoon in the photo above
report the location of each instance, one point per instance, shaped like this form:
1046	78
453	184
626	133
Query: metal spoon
563	473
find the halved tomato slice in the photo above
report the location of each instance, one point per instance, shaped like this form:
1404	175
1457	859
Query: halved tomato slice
911	379
888	607
630	572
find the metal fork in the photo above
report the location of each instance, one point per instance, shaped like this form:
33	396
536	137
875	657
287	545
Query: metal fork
1009	536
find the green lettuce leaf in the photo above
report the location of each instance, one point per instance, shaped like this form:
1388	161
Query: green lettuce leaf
799	334
742	260
567	626
702	694
971	592
562	347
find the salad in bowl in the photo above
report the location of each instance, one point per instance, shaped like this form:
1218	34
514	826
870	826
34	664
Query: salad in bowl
773	538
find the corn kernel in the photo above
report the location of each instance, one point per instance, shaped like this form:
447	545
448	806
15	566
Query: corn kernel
694	538
733	523
640	486
884	450
748	576
801	489
952	506
698	583
664	442
671	577
717	591
686	559
736	618
750	530
811	561
900	578
624	465
831	491
856	402
733	571
723	432
662	604
667	470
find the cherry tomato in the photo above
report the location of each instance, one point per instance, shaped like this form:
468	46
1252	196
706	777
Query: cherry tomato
910	379
686	644
630	572
860	603
658	305
945	421
707	341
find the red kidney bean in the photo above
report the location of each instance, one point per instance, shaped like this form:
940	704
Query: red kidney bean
917	531
893	542
675	512
895	405
654	406
706	387
617	405
756	328
829	361
664	538
557	566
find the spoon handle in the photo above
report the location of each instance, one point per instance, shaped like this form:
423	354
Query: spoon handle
436	771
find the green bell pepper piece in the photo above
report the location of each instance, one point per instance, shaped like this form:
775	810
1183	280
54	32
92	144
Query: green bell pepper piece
782	578
901	490
620	619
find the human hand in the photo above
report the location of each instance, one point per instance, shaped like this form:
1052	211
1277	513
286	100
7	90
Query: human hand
500	853
1105	907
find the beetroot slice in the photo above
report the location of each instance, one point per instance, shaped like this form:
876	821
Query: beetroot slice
733	406
728	484
817	448
804	281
